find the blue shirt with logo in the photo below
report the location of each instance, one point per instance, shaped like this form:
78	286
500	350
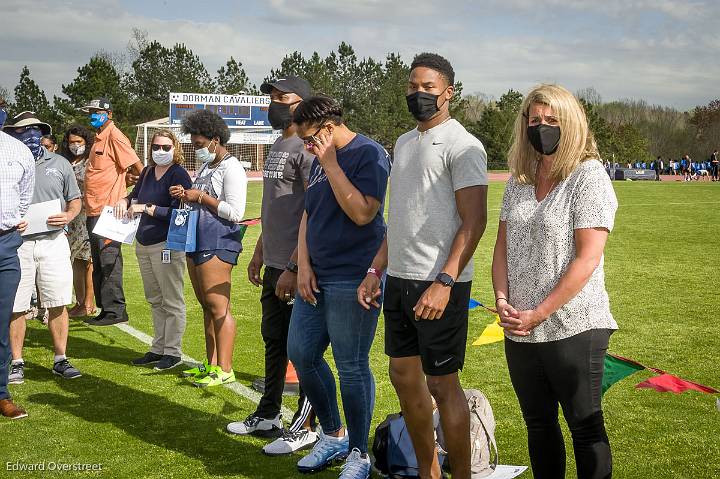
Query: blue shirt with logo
339	249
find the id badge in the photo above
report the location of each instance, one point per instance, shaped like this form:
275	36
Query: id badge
166	256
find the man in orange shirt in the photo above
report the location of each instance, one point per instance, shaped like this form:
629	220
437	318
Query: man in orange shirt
112	159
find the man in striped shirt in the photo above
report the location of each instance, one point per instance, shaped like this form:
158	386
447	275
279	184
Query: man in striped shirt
17	180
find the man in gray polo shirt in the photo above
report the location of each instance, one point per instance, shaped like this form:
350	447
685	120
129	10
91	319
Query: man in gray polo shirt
437	214
45	256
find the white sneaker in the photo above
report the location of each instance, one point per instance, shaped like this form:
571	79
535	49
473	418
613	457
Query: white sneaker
290	442
257	426
357	466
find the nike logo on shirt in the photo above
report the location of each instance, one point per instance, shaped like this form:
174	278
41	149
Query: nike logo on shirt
437	143
205	255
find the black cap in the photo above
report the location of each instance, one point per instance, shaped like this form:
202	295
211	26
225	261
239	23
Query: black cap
288	84
97	104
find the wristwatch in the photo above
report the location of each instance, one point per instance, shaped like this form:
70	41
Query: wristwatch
147	208
292	267
445	279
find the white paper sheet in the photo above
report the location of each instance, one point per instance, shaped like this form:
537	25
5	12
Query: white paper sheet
507	472
37	215
117	230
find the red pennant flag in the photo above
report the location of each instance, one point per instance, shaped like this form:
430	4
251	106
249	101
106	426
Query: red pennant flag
669	383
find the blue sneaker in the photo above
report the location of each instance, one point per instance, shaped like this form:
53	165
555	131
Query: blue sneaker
326	451
357	466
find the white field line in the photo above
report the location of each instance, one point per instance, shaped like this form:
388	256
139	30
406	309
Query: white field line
235	387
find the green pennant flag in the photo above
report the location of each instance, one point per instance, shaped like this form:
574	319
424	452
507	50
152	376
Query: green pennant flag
617	368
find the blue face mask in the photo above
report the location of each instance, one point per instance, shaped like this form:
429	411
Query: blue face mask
3	116
98	119
31	138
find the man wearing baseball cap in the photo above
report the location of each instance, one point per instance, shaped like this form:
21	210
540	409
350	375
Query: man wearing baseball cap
45	255
111	160
17	179
285	177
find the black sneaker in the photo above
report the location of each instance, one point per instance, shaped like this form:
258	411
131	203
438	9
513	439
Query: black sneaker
167	362
94	319
66	370
109	321
149	358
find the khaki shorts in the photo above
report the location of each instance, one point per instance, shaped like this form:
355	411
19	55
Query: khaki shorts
44	263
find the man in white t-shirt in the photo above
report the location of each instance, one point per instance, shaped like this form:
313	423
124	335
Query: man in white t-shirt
437	215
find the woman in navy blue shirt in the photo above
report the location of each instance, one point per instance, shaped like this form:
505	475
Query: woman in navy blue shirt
162	270
341	230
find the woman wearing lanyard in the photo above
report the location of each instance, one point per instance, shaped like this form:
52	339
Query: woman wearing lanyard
340	232
162	270
218	194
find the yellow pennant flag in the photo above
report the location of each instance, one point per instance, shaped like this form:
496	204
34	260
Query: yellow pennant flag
491	334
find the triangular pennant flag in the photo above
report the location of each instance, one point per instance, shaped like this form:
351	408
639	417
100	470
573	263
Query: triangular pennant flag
474	304
491	334
617	368
669	383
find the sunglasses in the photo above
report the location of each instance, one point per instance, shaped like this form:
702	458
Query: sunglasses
312	139
156	147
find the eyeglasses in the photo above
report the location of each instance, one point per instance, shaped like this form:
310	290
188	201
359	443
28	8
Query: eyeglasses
156	147
312	138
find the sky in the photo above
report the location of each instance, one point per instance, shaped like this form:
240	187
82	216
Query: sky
665	52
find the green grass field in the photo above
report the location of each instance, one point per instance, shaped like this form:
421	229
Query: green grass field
662	276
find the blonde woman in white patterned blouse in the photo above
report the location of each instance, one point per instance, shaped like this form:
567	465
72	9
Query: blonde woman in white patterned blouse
558	209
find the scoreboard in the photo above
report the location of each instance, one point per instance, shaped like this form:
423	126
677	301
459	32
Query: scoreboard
238	111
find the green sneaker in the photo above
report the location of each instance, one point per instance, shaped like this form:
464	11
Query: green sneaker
215	377
200	370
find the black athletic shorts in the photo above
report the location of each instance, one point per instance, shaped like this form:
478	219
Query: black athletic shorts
439	343
225	255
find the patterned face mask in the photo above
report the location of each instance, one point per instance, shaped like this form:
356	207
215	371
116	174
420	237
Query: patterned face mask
31	138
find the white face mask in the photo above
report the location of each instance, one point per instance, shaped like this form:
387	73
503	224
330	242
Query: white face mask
76	149
204	155
162	158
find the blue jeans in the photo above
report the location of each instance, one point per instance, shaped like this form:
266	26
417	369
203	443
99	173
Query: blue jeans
340	321
9	279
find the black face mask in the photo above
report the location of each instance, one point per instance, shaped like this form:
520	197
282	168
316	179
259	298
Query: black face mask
544	138
422	105
279	115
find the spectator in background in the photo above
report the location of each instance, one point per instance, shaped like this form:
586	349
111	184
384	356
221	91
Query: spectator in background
49	142
715	165
161	269
658	167
675	168
17	179
547	271
285	178
111	157
45	255
340	231
686	167
75	147
218	194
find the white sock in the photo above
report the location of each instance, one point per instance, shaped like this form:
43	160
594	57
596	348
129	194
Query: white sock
59	357
333	438
18	361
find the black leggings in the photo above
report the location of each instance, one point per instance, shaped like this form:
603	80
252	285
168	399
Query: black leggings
567	372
